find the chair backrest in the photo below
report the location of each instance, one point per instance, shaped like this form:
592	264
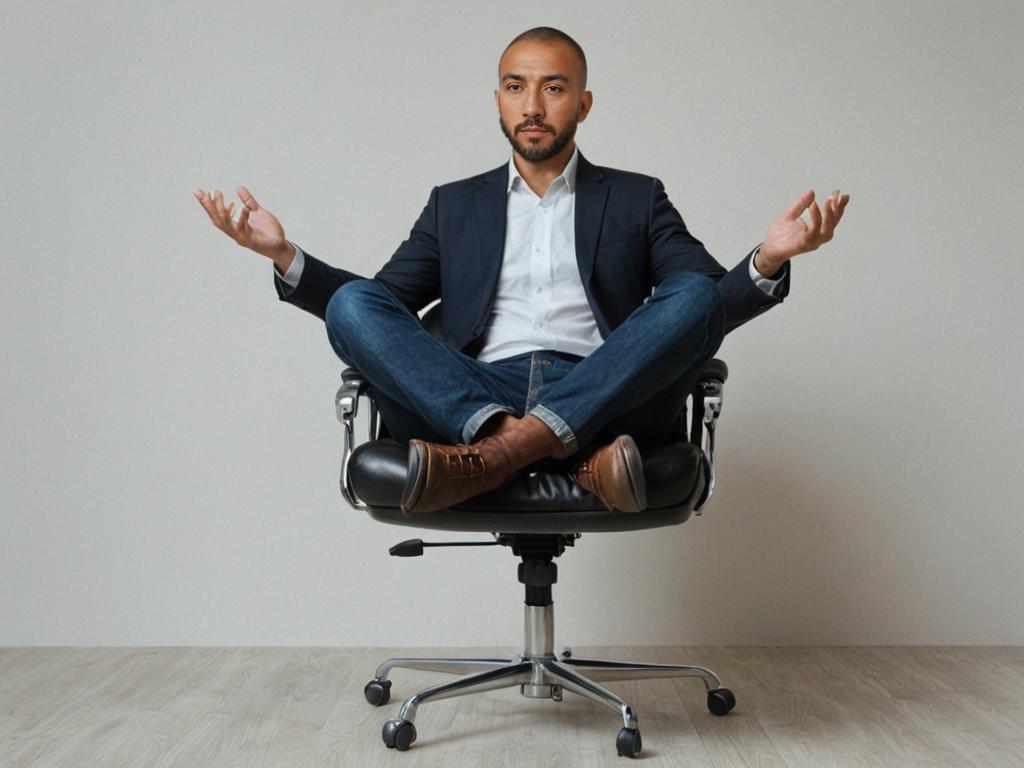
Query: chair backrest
431	320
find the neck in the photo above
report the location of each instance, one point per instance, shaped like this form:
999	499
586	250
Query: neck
539	175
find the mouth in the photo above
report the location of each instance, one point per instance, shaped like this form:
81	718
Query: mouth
534	131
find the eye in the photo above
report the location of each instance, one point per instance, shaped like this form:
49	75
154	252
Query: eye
513	85
557	87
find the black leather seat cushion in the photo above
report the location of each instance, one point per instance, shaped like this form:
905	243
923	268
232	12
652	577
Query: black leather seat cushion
540	501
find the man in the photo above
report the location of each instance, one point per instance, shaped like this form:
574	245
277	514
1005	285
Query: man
554	344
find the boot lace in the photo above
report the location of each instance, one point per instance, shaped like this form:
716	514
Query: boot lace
465	462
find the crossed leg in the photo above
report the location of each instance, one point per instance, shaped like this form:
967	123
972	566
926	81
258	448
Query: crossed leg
648	360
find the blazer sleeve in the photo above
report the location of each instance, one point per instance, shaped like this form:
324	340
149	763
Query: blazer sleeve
412	273
317	284
674	249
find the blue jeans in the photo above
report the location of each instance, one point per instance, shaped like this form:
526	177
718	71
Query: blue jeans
635	383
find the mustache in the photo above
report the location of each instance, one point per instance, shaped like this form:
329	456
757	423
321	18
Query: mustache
541	126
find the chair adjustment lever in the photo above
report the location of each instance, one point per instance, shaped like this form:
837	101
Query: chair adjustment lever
414	547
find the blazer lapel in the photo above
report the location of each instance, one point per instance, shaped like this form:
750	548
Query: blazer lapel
591	197
491	201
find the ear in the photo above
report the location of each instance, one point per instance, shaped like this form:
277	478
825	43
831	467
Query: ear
496	102
586	102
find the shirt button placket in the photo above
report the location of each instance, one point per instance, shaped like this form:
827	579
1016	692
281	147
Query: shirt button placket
536	266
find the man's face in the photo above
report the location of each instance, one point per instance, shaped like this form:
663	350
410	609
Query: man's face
540	98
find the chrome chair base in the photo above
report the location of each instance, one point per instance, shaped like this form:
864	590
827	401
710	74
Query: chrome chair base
540	674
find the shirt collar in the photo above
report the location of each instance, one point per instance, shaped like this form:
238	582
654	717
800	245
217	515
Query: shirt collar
569	173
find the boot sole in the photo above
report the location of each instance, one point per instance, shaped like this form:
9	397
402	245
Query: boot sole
416	480
629	454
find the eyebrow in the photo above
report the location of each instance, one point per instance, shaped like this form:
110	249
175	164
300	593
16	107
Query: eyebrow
543	79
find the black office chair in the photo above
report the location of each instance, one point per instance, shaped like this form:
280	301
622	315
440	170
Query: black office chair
537	516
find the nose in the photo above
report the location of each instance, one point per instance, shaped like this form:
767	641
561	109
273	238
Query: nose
533	105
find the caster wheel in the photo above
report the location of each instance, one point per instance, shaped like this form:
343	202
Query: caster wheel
399	734
567	653
721	701
628	742
378	692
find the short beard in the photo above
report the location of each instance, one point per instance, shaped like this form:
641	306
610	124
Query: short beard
538	154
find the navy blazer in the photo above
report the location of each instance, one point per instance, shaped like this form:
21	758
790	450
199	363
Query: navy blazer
629	237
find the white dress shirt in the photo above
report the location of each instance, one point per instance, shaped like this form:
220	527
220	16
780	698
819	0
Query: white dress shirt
540	301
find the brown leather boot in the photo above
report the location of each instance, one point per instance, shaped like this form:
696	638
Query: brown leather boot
442	475
615	474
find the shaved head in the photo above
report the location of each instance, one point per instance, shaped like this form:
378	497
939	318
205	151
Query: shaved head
551	35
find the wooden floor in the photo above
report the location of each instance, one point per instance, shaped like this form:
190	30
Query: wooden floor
220	707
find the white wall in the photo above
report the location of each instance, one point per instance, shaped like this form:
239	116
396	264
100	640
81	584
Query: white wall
170	453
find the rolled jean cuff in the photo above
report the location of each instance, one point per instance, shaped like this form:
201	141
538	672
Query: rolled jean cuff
477	420
559	427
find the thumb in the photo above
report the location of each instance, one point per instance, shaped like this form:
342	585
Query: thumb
247	198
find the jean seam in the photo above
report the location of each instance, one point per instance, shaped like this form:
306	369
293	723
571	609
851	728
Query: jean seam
532	390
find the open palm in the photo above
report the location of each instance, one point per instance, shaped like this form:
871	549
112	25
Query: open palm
256	228
788	235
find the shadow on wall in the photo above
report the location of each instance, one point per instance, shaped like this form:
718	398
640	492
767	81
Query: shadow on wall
786	553
815	551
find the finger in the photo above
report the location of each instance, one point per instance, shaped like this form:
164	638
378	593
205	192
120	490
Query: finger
218	204
832	201
200	195
243	219
206	200
841	206
222	213
794	211
828	222
247	198
816	220
228	212
829	217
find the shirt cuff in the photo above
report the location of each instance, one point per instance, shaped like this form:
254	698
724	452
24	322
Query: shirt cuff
294	273
766	284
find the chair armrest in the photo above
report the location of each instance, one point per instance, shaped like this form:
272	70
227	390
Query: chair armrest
707	407
353	386
346	403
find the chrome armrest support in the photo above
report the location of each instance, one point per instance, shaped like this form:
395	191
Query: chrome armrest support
712	397
346	403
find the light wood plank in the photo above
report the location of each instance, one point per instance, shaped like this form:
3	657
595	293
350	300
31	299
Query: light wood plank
737	739
818	713
947	699
837	706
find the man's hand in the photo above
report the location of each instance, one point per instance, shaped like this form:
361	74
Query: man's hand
256	228
788	235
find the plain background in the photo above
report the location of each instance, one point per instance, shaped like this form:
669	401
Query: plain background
170	449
